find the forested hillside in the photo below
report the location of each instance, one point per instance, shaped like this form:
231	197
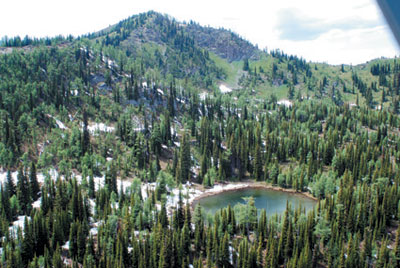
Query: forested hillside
105	137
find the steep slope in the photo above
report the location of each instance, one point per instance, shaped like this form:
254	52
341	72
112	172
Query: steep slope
157	64
104	138
160	29
223	43
281	76
161	44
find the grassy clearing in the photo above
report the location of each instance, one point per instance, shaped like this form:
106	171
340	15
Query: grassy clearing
232	70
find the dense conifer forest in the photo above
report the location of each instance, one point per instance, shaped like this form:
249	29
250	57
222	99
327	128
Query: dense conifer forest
104	135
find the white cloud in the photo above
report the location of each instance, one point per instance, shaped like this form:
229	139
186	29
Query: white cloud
345	46
256	20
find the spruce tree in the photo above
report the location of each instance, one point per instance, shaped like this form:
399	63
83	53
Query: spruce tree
85	139
23	191
184	164
10	186
33	182
396	250
57	261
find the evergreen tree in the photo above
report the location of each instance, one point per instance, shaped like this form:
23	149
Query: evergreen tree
396	250
34	185
184	164
246	65
257	156
10	186
57	261
23	191
85	140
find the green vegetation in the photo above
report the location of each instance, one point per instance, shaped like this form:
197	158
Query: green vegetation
123	105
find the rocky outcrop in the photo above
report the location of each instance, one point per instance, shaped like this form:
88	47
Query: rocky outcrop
224	43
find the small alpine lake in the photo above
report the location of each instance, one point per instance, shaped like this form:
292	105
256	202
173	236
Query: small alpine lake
273	201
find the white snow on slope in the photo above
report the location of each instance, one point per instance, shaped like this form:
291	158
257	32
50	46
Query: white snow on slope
58	122
220	187
37	203
93	231
189	193
203	95
147	187
224	89
65	246
18	224
285	102
100	127
3	177
40	176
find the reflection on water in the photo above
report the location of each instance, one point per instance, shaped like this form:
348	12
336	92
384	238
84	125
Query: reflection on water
270	200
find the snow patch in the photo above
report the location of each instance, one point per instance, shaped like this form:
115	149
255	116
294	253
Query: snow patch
92	205
60	124
188	193
125	185
224	89
52	173
37	203
3	177
230	254
147	187
94	231
138	129
219	187
203	95
101	127
18	224
285	102
65	246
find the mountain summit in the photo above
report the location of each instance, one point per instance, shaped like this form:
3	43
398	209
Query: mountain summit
157	28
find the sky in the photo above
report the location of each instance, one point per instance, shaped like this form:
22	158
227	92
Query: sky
332	31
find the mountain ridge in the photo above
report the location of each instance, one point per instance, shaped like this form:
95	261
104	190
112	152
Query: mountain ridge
104	138
146	27
238	49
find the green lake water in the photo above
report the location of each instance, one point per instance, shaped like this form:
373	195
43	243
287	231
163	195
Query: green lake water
270	200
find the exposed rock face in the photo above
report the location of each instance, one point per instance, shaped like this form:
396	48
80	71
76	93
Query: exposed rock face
153	27
224	43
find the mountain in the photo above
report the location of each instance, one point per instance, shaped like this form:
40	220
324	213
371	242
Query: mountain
154	62
156	28
223	43
211	55
106	139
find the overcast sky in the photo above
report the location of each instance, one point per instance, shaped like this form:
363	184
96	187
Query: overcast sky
333	31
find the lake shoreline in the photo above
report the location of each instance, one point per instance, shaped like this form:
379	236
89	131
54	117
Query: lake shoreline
243	185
